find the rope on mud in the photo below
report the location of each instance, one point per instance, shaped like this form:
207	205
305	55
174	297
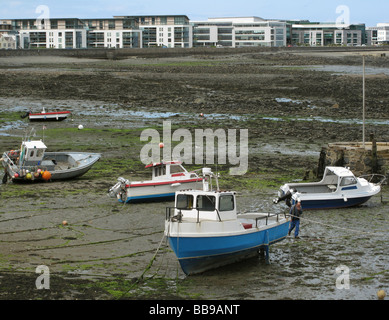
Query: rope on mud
342	228
146	269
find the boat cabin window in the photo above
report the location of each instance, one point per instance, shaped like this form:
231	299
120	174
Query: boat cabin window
226	203
184	201
159	171
35	153
39	153
176	168
346	181
205	203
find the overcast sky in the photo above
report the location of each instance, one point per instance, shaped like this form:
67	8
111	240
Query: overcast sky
360	11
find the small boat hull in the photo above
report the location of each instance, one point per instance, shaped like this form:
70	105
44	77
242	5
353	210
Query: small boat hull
49	116
167	178
332	203
61	165
199	254
158	191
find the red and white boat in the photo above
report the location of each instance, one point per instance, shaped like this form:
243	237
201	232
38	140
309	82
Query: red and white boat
167	178
48	116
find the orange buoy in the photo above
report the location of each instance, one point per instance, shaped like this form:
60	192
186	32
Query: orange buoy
46	175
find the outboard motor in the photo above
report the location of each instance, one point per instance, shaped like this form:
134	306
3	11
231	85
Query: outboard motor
119	188
25	115
287	197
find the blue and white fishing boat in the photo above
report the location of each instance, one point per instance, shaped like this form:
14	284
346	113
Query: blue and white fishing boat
167	177
339	188
205	231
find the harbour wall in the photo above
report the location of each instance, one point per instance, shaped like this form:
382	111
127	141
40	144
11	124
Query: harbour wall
362	158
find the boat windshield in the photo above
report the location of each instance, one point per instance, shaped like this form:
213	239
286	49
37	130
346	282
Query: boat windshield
205	203
226	203
176	168
160	170
184	202
346	181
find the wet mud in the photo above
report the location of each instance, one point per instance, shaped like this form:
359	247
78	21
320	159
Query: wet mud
108	250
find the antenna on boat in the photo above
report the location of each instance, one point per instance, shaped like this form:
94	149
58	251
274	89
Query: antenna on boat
29	135
208	173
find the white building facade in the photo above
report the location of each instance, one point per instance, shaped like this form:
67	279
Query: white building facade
325	34
239	32
379	34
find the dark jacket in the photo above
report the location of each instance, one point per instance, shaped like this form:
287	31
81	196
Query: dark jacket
295	213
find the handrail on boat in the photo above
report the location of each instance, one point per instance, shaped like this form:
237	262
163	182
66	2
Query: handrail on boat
269	215
9	159
168	214
370	177
178	217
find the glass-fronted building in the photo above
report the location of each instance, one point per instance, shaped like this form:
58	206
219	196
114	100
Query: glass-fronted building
326	34
239	32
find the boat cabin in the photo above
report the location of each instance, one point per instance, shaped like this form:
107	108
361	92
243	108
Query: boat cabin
334	179
32	153
167	169
206	205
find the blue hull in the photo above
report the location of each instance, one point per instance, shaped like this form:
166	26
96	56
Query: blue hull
150	198
199	254
332	204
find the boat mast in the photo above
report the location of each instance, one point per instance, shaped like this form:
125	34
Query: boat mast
363	105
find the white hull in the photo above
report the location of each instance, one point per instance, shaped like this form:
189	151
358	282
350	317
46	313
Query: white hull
151	190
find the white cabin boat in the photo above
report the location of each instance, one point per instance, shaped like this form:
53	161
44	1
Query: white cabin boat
167	178
338	188
205	231
32	163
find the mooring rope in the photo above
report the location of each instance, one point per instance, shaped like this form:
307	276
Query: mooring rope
342	228
146	269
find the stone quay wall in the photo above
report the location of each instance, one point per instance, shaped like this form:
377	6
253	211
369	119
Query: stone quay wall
372	157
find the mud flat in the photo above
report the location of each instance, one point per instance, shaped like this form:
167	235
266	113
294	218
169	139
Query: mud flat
105	251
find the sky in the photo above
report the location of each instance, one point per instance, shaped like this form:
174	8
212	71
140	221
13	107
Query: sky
356	11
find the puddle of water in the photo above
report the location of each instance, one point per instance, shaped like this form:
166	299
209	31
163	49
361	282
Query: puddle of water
321	119
11	125
86	112
342	70
286	149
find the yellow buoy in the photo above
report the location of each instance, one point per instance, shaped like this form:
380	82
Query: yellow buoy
381	294
28	176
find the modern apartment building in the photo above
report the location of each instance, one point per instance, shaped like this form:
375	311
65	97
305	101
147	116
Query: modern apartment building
117	32
177	31
379	35
324	34
171	31
239	32
53	33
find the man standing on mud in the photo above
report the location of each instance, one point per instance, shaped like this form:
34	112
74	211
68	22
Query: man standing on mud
295	212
